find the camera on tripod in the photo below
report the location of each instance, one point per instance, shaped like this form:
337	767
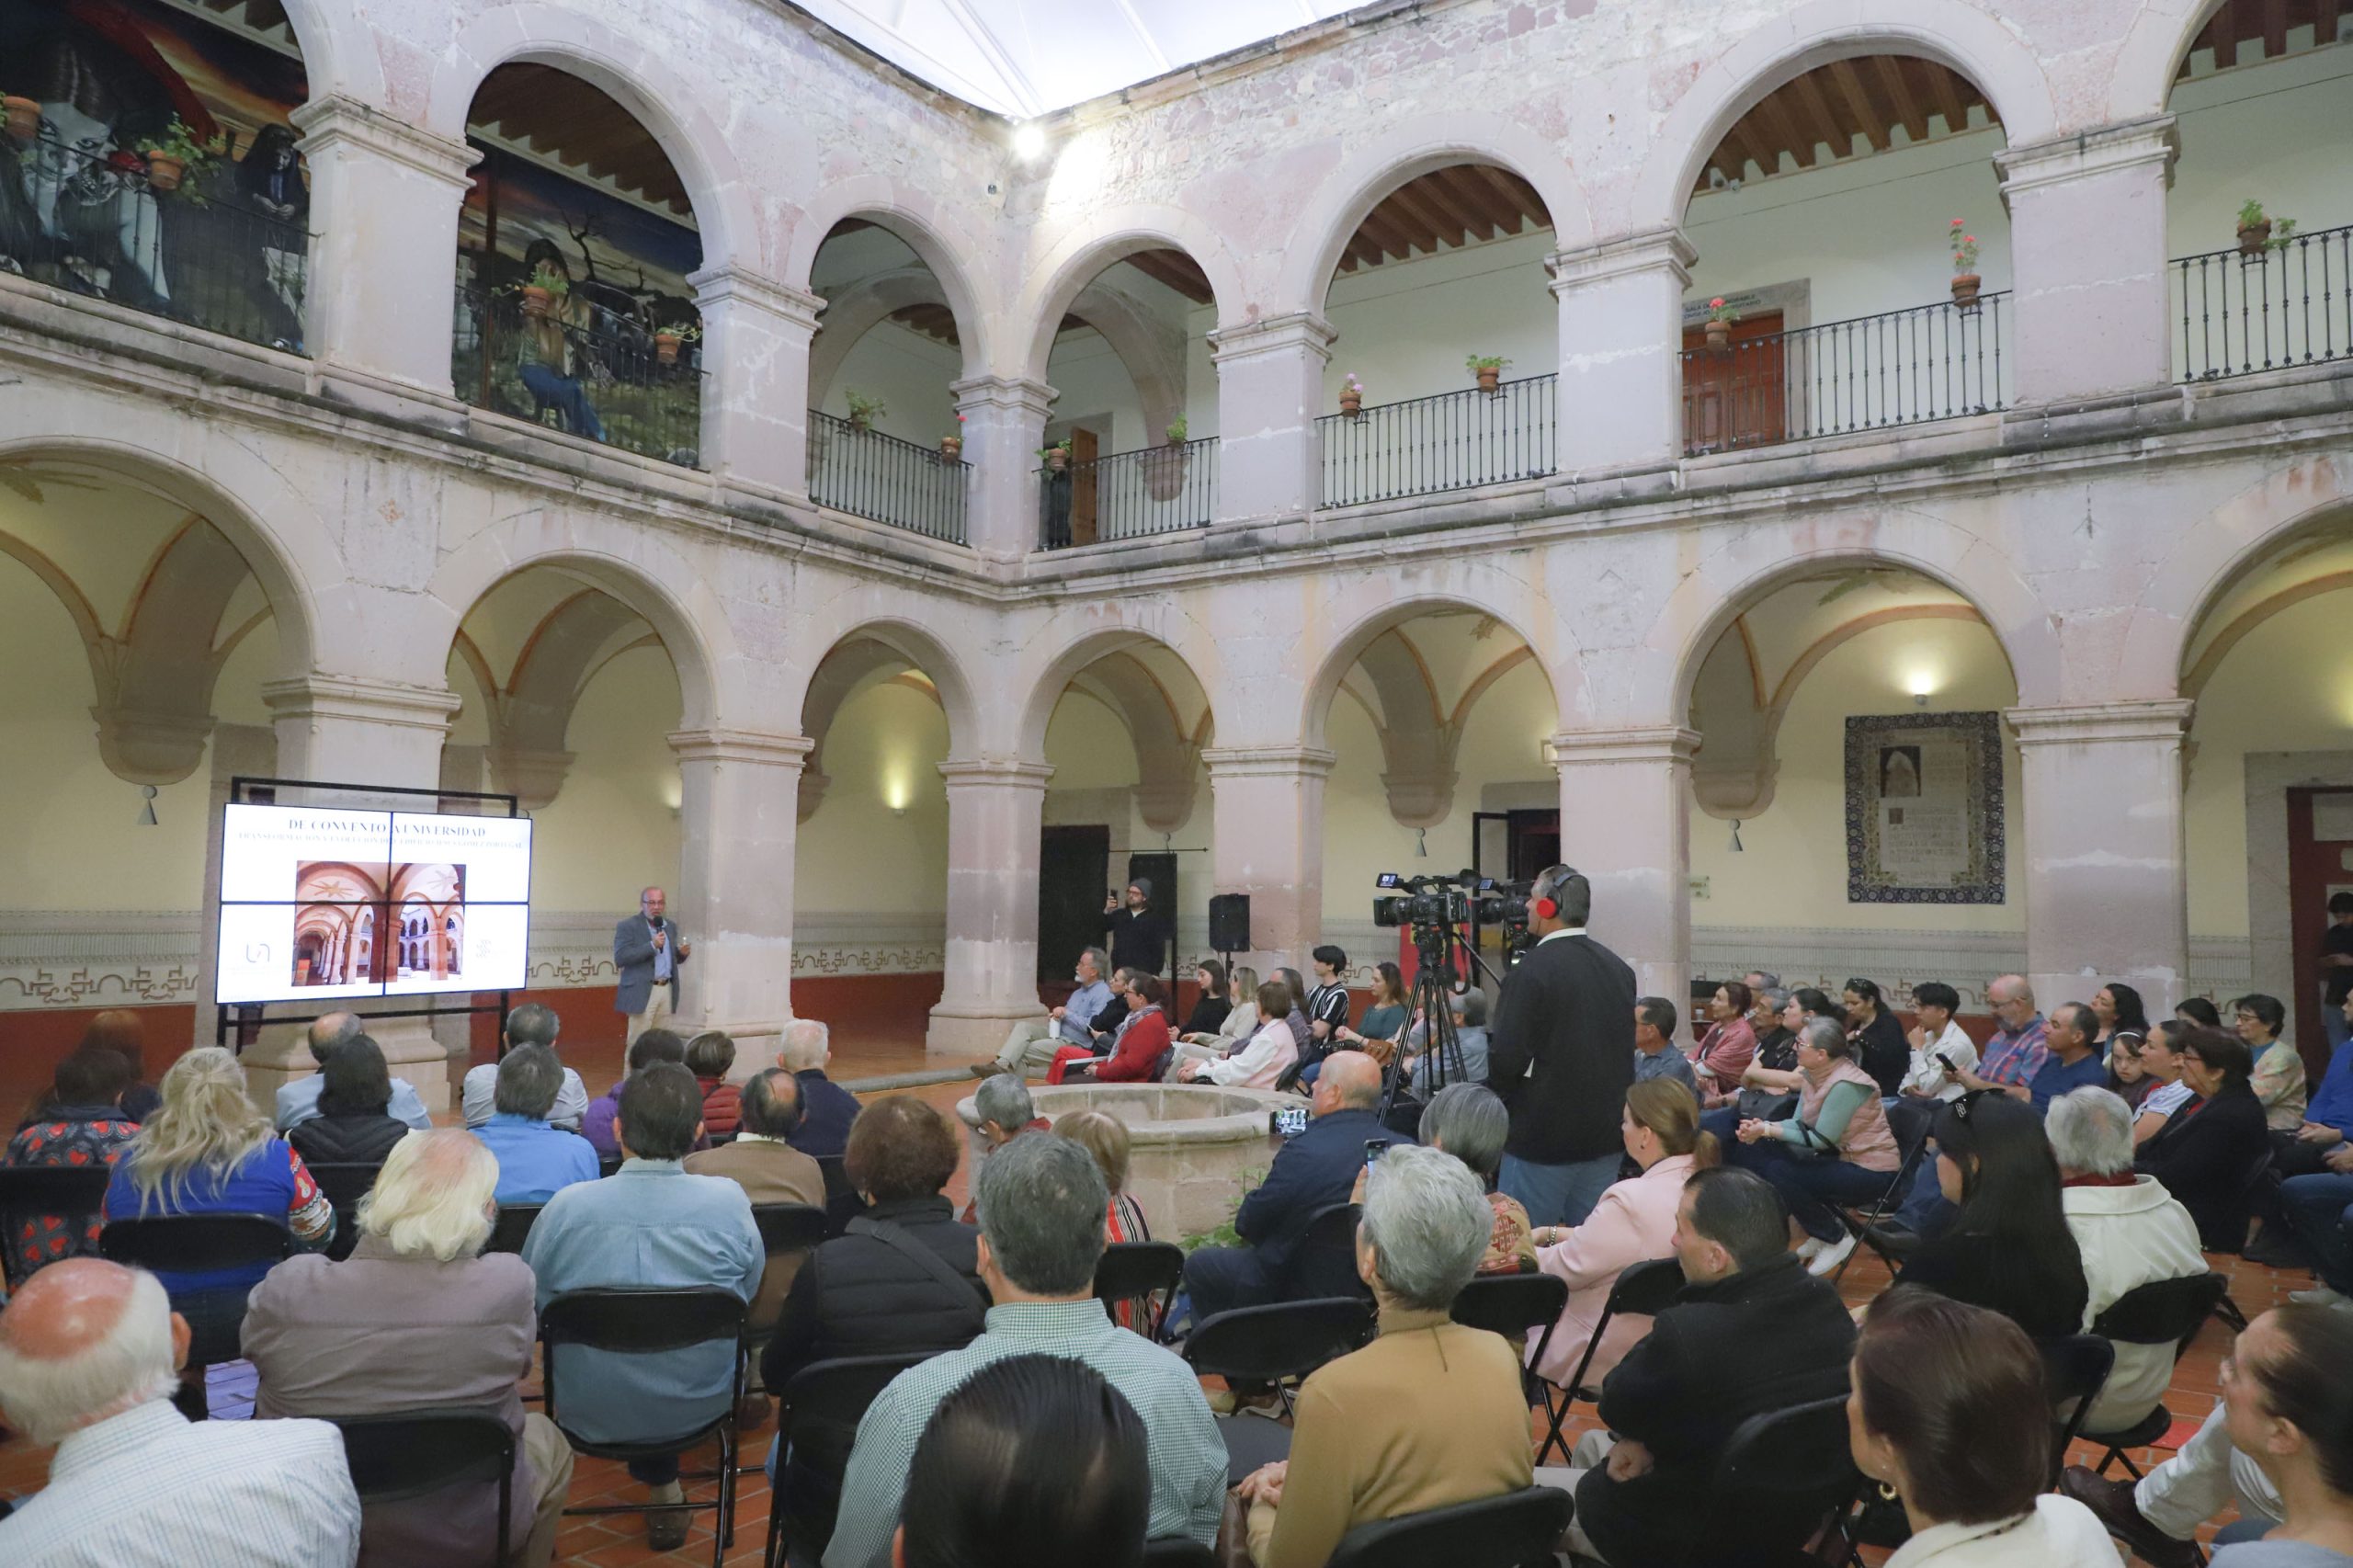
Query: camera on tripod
1427	901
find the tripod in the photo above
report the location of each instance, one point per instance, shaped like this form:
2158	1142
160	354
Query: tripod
1432	995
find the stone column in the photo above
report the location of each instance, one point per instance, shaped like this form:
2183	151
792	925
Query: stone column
1266	840
2106	897
1621	404
2087	261
739	795
1005	423
1269	386
347	729
995	820
755	378
1625	822
385	200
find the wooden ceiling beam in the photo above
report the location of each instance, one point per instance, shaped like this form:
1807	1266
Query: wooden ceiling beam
1386	232
1451	192
1907	104
1816	117
1943	90
2222	35
2274	28
1783	130
1414	202
1404	213
1869	118
1518	197
1741	142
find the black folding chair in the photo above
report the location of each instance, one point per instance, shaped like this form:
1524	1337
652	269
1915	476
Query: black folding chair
1146	1273
74	1194
2258	1171
1516	1528
608	1165
2165	1312
817	1417
2074	1368
513	1226
1177	1551
1516	1305
639	1323
788	1227
1280	1344
1323	1263
189	1243
417	1453
1786	1478
345	1182
1643	1290
842	1202
1891	1198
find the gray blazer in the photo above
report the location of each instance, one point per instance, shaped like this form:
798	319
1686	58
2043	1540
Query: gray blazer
633	957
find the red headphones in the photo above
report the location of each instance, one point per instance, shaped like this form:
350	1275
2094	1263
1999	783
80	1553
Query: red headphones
1543	906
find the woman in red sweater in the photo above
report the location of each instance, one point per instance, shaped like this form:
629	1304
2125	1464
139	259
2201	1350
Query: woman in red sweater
1144	1039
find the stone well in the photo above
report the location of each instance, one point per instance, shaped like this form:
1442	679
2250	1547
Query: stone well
1191	1146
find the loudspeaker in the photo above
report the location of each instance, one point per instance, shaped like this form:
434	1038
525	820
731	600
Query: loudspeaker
1230	923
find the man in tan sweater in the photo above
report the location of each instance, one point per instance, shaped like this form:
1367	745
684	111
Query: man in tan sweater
769	1170
1431	1413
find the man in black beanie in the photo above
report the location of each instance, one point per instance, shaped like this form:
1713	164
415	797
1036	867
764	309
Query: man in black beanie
1138	934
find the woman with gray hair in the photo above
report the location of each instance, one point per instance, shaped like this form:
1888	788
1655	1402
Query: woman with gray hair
1431	1413
1470	1123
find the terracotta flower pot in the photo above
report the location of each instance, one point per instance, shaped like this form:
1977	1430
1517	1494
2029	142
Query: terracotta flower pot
537	302
665	347
1488	376
164	173
1964	290
2252	237
1352	404
951	449
1057	460
1719	336
24	118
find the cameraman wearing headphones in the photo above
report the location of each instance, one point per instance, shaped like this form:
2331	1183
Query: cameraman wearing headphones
1560	1054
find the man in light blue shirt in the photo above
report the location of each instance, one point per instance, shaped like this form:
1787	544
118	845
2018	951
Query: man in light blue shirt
1041	1204
650	1227
535	1159
299	1101
530	1024
1032	1043
1654	1052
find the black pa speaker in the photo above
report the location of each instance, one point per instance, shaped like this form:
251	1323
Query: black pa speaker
1230	923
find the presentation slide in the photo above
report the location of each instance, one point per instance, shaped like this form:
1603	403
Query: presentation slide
318	904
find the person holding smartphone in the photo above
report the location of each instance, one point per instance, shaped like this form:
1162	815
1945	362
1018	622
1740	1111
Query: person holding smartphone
1941	1052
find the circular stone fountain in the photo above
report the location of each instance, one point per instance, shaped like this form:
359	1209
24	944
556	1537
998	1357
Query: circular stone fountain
1194	1148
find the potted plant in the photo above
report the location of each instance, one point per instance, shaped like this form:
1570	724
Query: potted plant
2260	231
172	155
1488	368
667	339
546	285
1352	396
1719	326
1965	281
865	408
952	446
1177	428
1056	457
24	116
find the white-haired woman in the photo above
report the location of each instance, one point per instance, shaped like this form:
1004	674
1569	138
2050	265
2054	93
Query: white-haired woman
416	1318
208	1150
1431	1413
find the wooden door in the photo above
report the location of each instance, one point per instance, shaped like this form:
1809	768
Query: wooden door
1736	397
1085	503
1074	868
2320	863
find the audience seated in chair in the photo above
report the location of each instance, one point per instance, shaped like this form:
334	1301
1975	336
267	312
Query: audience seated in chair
2209	1147
1041	1204
2129	1231
763	1161
299	1101
1030	1044
535	1160
1310	1173
710	1055
1105	1136
89	1355
1236	1028
1470	1010
2010	1251
1950	1411
1634	1221
82	1124
826	1108
1468	1122
870	1293
650	1227
2158	1516
1431	1413
2276	1074
1656	1052
1261	1061
655	1045
1214	995
1035	1462
353	1126
530	1024
1834	1148
1138	1051
122	1031
1730	1044
419	1318
208	1151
1750	1331
1000	1111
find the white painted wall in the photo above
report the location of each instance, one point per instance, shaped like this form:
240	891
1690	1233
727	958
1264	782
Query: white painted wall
856	854
911	372
613	828
1098	391
1405	327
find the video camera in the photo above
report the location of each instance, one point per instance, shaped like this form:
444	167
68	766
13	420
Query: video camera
1427	901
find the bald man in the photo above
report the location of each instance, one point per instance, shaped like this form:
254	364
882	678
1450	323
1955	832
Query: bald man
299	1101
1310	1173
89	1353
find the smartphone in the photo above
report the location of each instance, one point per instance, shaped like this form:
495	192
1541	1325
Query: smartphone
1373	1149
1289	1123
1950	1065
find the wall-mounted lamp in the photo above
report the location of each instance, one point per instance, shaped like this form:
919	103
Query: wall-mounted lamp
1422	843
1920	685
1736	847
147	793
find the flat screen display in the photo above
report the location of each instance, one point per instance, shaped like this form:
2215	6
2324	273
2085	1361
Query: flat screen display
317	904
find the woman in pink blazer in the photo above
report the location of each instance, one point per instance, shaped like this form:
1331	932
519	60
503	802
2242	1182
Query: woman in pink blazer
1633	1221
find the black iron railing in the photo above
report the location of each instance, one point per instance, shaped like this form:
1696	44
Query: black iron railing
1446	442
580	367
195	243
2291	304
1909	367
880	477
1128	494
